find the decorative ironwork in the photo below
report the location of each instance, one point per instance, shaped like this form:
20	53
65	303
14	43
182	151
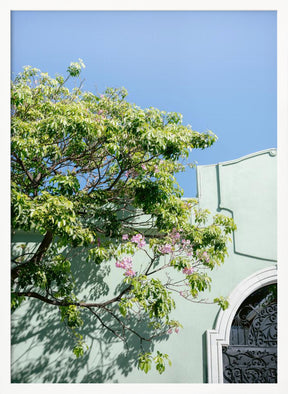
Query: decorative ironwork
249	365
263	331
252	354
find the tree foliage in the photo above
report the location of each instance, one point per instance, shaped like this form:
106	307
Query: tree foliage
91	170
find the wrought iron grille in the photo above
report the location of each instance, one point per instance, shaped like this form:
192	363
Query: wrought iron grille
251	356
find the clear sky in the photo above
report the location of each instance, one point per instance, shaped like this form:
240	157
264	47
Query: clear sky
217	68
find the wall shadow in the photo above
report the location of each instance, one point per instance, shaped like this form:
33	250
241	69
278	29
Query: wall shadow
42	345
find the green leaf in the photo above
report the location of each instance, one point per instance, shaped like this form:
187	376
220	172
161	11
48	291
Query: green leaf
222	302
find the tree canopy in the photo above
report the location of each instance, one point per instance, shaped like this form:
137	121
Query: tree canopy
98	172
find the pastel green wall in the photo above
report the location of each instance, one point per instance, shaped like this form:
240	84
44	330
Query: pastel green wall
245	189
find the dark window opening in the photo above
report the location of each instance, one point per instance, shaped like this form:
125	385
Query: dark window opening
251	356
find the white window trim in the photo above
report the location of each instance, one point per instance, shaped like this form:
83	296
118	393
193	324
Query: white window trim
220	335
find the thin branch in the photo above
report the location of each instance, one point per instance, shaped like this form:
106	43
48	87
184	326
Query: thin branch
158	269
105	325
131	329
150	265
33	294
65	303
103	304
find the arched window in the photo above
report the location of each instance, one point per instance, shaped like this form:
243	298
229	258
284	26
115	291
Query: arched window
251	356
248	325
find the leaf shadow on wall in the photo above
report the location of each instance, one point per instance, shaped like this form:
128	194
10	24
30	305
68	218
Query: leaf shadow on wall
42	345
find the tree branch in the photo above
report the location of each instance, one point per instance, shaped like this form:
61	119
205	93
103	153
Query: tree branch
38	256
105	325
33	294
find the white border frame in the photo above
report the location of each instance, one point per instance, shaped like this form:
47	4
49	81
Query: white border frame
220	335
282	121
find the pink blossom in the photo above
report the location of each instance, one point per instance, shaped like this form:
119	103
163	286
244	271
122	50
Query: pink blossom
176	330
186	242
130	273
188	271
128	262
143	166
156	169
100	111
136	238
205	256
124	237
131	172
175	235
139	240
182	294
167	248
125	263
141	243
119	264
170	331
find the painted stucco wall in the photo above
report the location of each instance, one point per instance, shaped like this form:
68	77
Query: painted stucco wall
245	189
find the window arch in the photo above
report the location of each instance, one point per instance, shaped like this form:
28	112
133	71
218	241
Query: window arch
251	356
220	336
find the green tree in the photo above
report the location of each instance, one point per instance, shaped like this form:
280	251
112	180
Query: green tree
86	171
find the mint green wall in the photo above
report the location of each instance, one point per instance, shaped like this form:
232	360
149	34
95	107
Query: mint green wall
244	188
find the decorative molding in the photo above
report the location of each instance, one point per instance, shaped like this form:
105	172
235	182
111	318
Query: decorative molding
219	336
272	152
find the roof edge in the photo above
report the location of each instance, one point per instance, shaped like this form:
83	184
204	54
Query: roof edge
271	151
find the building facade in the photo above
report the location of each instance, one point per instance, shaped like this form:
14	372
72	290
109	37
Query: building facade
238	345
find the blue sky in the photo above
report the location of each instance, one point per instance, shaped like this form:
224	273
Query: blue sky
217	68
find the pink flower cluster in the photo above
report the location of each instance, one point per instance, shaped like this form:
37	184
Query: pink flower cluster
139	240
188	271
167	248
131	172
126	264
130	273
185	242
203	256
175	235
176	329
